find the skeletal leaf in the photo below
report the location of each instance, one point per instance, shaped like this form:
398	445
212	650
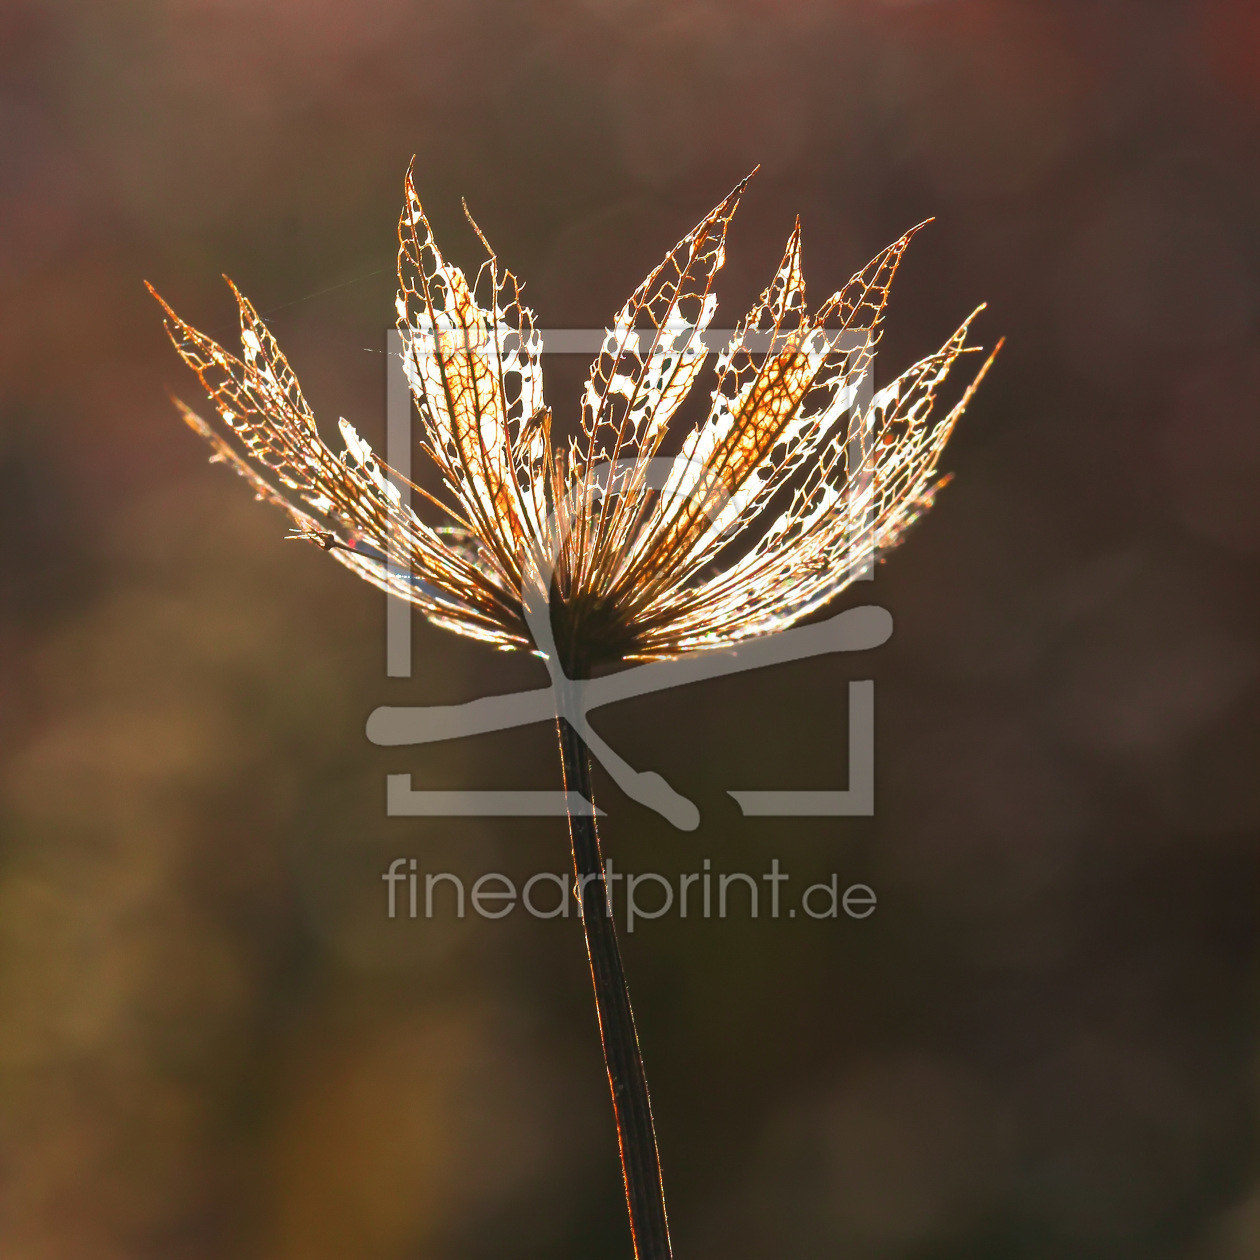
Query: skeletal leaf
777	500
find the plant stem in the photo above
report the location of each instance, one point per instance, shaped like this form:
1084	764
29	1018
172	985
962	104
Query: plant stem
636	1134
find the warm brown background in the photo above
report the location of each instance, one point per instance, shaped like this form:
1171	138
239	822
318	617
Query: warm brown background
1043	1045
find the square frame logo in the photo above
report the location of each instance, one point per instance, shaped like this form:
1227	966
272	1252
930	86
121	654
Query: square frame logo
855	629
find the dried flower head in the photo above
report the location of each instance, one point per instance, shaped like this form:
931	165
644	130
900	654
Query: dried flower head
771	505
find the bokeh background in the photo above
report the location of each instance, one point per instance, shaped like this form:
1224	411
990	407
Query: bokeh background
1043	1045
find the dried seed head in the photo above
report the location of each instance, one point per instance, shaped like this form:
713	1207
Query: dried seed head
786	490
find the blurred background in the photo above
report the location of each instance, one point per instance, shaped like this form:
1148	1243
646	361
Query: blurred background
213	1043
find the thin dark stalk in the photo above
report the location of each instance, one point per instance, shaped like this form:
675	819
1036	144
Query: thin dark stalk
636	1134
